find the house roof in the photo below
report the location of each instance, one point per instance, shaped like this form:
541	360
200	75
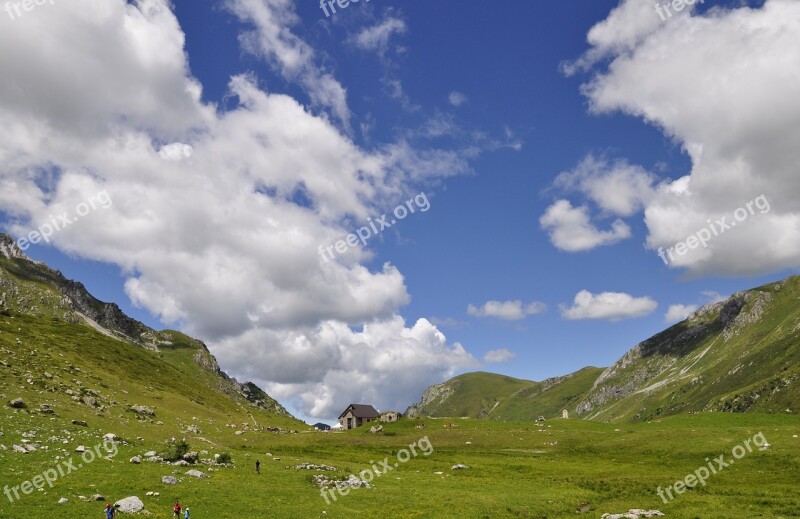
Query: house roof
361	411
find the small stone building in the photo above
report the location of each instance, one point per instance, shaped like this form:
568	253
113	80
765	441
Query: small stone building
390	416
357	415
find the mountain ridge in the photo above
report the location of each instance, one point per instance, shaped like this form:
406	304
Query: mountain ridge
735	355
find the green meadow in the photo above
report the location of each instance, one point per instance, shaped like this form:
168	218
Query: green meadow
515	470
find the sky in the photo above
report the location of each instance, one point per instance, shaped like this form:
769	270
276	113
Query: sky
350	206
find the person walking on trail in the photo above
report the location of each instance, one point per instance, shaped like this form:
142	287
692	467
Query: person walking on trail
176	510
258	467
110	511
186	513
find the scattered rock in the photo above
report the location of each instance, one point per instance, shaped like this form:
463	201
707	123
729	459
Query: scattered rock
376	429
311	466
80	448
110	436
585	507
20	449
18	403
150	454
181	463
633	513
136	460
196	474
45	409
191	457
459	466
129	505
142	410
62	500
169	480
97	497
82	423
352	481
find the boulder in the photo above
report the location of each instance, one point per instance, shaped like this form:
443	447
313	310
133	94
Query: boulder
129	505
20	449
80	448
150	454
17	403
97	497
169	480
136	460
62	500
196	474
191	457
142	410
181	463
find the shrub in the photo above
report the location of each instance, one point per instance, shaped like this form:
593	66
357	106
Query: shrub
225	458
176	450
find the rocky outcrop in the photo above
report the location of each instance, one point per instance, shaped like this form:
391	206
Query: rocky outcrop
432	396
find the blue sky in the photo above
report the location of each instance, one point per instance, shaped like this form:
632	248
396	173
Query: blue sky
560	145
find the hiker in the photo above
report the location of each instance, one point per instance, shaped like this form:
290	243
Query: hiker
110	511
176	510
186	513
258	467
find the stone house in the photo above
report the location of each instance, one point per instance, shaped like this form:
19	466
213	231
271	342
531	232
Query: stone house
357	415
390	416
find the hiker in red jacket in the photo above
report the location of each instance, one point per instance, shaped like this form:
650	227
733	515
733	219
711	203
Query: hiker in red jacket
177	509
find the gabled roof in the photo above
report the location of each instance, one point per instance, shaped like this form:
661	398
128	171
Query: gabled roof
361	411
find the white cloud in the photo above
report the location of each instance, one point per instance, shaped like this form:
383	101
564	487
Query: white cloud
724	86
272	38
218	231
617	187
571	229
677	313
506	310
612	306
499	356
376	38
329	366
457	98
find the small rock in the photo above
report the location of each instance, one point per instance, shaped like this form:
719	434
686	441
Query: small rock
97	497
17	403
150	454
169	480
62	500
459	466
196	474
136	460
81	423
80	448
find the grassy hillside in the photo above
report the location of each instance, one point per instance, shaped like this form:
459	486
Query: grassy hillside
735	356
498	397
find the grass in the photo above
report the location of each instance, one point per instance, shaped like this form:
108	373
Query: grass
516	470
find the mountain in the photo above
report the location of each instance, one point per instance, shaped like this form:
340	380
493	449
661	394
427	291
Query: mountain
737	355
498	397
63	350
